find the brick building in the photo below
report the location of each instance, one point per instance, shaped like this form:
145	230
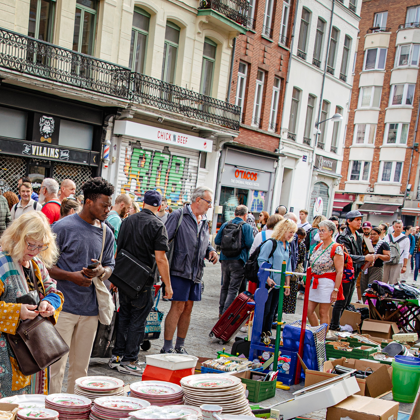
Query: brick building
380	166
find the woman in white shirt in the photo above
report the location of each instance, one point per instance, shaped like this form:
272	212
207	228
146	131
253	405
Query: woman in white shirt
265	234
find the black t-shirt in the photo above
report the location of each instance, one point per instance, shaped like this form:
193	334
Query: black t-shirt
383	247
142	234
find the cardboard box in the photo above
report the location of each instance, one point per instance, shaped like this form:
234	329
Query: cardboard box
12	408
348	318
375	385
381	329
363	408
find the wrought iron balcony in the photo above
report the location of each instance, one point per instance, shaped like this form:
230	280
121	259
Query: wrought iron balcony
307	140
301	54
41	59
330	70
291	136
343	77
236	10
316	62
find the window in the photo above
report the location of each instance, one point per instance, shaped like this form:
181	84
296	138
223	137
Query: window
359	171
396	133
268	15
85	26
240	88
336	130
354	63
375	59
370	97
413	16
391	172
323	127
333	50
401	95
209	60
170	52
139	32
303	33
345	59
379	21
407	55
41	19
284	21
319	38
294	109
251	12
274	104
364	133
352	5
259	87
307	135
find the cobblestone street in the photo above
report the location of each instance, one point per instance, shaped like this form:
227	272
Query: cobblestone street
198	342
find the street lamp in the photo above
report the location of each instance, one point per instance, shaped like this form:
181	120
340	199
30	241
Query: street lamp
335	117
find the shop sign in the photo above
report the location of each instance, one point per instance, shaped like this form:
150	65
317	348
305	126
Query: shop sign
46	129
381	199
56	153
160	135
318	207
251	179
325	164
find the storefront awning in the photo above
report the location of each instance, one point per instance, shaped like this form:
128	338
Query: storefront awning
343	202
411	211
388	209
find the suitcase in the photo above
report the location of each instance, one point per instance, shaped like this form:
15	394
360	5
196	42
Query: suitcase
237	313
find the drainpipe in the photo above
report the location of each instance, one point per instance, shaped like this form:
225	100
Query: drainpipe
231	69
321	97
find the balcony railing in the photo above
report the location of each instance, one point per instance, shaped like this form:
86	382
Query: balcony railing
330	70
343	77
378	29
301	54
316	62
307	140
236	10
291	136
320	145
38	58
352	7
284	40
267	31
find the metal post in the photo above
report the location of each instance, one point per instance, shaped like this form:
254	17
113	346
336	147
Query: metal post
279	316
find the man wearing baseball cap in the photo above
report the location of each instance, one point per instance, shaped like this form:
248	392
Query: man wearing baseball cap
352	240
144	236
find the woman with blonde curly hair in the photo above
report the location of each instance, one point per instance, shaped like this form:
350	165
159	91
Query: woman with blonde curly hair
283	234
27	249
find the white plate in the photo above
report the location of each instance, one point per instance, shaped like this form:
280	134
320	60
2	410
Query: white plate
121	403
210	381
99	383
68	400
37	413
156	388
24	399
157	413
189	410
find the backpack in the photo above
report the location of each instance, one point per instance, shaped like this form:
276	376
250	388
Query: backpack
395	250
14	208
348	269
231	243
251	266
310	241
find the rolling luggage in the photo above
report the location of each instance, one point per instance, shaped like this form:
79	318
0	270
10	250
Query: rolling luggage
237	313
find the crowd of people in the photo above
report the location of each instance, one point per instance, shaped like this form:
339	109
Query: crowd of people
67	247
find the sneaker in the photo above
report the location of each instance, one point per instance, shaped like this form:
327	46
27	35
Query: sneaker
162	351
180	350
133	368
114	362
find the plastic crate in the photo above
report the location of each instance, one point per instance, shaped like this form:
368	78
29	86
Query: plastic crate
259	390
354	353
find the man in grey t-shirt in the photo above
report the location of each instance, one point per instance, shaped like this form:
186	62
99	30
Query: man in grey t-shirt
162	214
79	239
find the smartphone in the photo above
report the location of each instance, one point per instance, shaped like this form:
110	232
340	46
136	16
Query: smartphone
93	265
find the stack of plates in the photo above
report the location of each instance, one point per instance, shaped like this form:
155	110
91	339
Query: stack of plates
70	407
215	388
113	408
158	392
93	387
170	412
26	401
37	413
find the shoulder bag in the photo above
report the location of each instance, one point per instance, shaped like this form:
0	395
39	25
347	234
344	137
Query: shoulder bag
106	306
36	344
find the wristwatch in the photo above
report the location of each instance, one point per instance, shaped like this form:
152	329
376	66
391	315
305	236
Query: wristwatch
335	290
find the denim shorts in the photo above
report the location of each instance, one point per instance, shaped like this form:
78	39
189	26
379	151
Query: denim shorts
185	289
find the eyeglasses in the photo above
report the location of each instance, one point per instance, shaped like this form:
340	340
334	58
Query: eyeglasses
207	201
32	247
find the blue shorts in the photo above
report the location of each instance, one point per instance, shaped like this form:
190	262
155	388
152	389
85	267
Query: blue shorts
185	289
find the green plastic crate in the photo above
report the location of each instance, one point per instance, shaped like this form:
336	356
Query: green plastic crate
355	353
259	390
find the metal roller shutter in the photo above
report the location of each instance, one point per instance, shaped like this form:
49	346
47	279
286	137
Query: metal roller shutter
12	169
173	172
77	173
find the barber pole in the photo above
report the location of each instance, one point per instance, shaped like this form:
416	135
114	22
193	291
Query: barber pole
106	155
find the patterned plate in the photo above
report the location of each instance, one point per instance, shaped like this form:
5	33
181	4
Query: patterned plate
155	388
25	401
37	413
99	383
68	400
188	410
156	413
210	381
121	403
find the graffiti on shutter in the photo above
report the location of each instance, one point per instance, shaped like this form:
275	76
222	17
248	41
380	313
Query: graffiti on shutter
173	175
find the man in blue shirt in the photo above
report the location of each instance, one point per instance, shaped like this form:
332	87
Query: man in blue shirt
233	272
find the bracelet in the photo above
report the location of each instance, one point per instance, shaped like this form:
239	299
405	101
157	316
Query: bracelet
286	287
